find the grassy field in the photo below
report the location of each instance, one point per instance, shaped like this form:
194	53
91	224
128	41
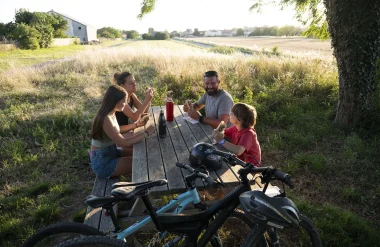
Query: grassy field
288	45
45	121
18	58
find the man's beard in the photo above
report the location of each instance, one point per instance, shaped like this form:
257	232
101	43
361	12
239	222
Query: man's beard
212	92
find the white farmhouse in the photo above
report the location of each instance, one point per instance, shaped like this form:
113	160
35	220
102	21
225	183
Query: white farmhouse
83	31
212	33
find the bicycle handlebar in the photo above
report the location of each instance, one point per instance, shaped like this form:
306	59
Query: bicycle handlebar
249	168
197	174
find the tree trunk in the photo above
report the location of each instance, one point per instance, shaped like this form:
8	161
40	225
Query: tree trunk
354	26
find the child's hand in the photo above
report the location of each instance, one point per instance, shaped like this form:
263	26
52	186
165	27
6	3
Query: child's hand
218	136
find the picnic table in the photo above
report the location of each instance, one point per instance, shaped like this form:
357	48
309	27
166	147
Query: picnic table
155	158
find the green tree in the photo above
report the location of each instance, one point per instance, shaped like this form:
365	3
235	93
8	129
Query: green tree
161	36
7	29
23	16
108	32
59	26
240	32
354	28
147	36
174	34
28	37
196	32
151	31
132	34
43	23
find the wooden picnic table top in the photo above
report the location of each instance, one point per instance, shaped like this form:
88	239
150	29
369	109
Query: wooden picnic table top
155	157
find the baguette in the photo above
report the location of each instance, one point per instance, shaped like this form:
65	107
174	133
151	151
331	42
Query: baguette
188	104
144	118
221	127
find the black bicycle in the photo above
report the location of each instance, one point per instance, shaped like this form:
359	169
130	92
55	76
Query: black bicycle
125	191
202	228
276	216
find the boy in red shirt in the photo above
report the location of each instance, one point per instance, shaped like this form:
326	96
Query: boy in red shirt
243	136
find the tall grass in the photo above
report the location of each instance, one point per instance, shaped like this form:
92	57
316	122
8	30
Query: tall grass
46	112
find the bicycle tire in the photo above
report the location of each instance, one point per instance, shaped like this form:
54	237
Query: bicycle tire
289	237
232	232
96	241
308	234
56	233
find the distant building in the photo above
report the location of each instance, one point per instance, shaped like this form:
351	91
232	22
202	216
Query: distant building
187	34
83	31
247	31
228	33
212	33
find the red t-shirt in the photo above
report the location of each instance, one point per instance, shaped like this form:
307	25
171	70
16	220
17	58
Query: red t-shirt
248	139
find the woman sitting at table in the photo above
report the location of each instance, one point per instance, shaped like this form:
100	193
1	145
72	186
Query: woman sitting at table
106	159
128	82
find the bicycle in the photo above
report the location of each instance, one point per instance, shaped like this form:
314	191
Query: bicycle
276	216
197	229
125	191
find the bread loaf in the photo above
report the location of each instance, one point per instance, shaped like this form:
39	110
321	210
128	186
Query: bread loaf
144	117
221	126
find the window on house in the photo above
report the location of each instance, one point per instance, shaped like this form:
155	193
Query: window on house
79	28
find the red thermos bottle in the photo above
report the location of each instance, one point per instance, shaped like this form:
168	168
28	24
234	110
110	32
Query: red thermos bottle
169	109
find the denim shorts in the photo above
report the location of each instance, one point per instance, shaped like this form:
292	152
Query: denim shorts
104	161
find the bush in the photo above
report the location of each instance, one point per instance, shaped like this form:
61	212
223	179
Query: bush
26	36
161	36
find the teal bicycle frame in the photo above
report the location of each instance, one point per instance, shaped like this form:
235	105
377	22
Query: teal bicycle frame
181	201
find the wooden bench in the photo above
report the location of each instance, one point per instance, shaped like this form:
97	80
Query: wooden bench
94	216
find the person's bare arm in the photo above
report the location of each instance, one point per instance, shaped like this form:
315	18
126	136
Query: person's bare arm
141	121
210	121
141	107
195	107
128	127
236	149
215	122
113	133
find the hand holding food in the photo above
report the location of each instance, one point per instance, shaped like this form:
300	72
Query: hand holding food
221	127
143	119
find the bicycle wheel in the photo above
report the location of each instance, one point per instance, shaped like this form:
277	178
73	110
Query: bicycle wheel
97	241
306	235
303	236
56	233
235	229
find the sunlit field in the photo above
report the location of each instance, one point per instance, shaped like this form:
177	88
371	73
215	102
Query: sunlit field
288	45
46	113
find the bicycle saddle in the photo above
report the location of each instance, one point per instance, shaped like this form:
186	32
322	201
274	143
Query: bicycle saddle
127	193
126	184
100	201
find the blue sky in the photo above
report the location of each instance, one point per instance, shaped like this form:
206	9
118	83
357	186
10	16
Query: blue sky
169	15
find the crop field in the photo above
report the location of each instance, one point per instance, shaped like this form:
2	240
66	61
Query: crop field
286	45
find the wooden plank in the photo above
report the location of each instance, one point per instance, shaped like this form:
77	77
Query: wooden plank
173	173
106	224
188	139
139	161
155	164
93	215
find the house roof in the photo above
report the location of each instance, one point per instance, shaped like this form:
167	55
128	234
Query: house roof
68	17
